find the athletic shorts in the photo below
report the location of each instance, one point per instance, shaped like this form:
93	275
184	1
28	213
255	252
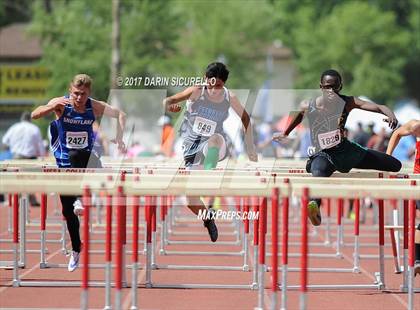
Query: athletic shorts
343	157
195	152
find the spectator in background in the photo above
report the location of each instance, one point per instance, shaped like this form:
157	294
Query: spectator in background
168	136
265	146
361	136
378	142
101	145
5	153
24	140
135	149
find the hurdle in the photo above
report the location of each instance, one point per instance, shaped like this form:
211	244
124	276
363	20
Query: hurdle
380	284
261	191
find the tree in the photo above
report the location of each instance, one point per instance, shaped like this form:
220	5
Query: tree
75	38
360	40
226	30
14	11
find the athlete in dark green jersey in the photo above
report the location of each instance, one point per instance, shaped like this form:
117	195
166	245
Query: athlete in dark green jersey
331	151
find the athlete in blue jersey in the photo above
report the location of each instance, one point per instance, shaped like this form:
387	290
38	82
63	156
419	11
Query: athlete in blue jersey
72	141
204	141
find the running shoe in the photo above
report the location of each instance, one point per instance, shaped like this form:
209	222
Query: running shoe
211	227
416	267
78	207
314	213
74	261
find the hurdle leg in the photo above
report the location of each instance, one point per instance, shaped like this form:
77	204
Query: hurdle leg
394	250
23	216
135	266
396	220
404	286
245	247
256	221
153	258
27	212
339	228
43	262
261	256
108	258
16	281
163	208
119	248
145	234
10	214
356	256
124	246
98	207
304	250
274	247
381	230
85	253
238	223
412	229
328	223
148	242
285	248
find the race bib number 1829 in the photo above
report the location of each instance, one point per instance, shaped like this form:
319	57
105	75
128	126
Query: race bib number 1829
329	139
76	140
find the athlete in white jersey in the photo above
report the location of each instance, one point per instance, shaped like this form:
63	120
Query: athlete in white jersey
202	130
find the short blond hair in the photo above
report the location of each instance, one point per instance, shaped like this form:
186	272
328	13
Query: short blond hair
81	80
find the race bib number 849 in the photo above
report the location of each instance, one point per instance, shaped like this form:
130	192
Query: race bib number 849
329	139
204	127
76	140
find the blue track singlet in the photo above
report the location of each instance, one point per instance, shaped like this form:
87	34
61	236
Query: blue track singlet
72	131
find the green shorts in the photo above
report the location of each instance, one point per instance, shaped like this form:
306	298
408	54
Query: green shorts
344	156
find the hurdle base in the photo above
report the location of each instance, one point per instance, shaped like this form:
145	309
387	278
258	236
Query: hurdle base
201	253
203	286
378	282
9	266
199	267
332	287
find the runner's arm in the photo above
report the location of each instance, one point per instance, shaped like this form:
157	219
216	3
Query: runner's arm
101	108
246	122
172	103
404	130
54	105
377	108
297	119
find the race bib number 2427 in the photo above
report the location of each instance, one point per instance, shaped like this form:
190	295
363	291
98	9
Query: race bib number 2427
76	140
